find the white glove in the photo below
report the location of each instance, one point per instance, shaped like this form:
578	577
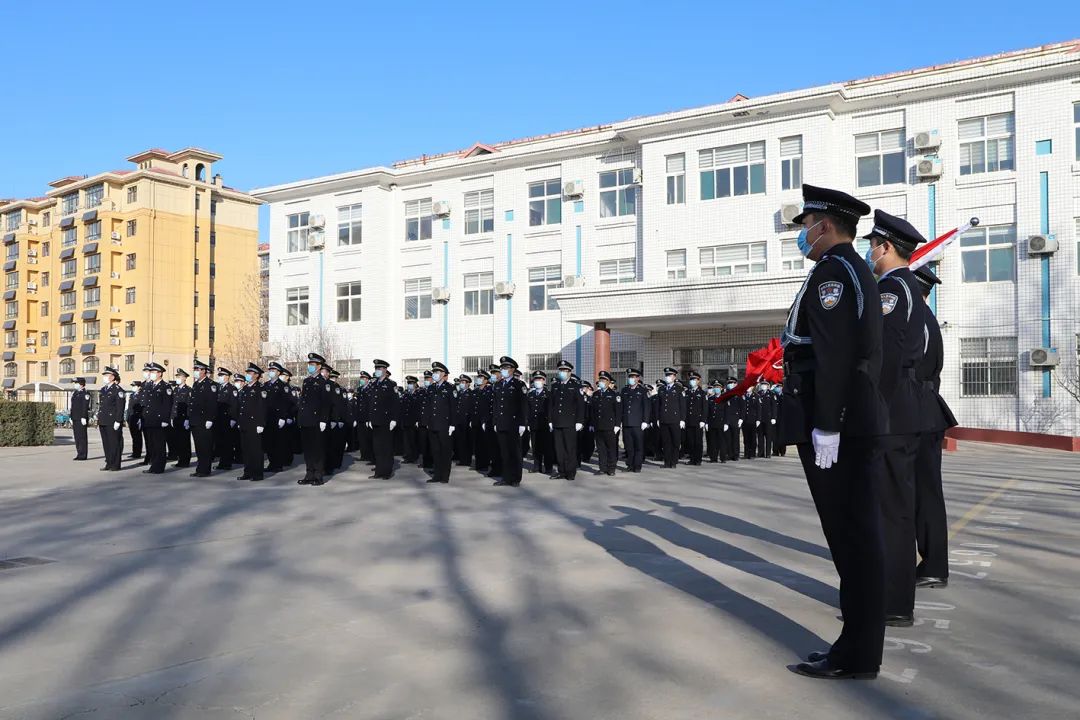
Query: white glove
232	423
209	424
578	426
701	424
592	429
725	427
740	422
551	427
757	423
451	429
280	423
826	448
773	421
187	424
644	426
368	423
483	426
322	427
617	429
164	424
259	430
84	422
682	424
115	425
393	424
706	426
289	421
138	424
521	430
354	423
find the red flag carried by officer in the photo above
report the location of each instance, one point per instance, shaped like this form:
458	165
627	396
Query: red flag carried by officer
762	365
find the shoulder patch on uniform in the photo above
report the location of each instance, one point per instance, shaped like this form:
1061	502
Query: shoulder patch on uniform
168	391
326	388
829	293
213	388
888	303
338	391
264	394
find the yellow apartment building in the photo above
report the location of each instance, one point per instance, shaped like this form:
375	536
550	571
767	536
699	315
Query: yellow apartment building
125	267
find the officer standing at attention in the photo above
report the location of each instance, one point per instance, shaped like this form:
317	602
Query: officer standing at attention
313	415
423	436
437	416
224	420
382	419
463	409
566	415
180	429
892	241
491	438
542	448
480	420
636	415
409	418
697	413
292	431
714	423
273	438
133	415
110	419
833	413
363	418
202	411
931	526
733	418
253	413
607	422
586	440
766	418
335	435
80	416
157	409
510	416
670	416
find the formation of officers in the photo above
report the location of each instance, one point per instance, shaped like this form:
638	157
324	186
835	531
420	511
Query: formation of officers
491	421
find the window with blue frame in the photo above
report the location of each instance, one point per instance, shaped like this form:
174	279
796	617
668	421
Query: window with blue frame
732	170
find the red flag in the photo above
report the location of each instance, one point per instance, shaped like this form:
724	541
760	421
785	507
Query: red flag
764	364
931	250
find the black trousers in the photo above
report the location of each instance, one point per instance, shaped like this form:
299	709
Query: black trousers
634	440
441	454
543	449
492	439
931	526
204	448
181	443
366	441
566	452
716	441
481	453
271	442
607	450
898	521
252	448
136	437
749	439
282	448
670	438
113	443
462	444
653	446
586	444
510	455
423	439
846	499
79	431
382	444
732	445
155	447
694	435
764	439
410	442
314	452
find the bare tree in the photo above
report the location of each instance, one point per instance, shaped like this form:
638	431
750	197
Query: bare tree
326	341
1042	415
239	338
1069	381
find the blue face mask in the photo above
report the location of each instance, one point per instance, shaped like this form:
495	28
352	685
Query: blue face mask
631	381
563	375
538	384
427	383
311	369
693	383
869	258
602	385
436	376
378	372
805	246
504	372
670	379
247	376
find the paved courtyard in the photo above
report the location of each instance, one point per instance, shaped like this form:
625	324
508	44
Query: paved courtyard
665	595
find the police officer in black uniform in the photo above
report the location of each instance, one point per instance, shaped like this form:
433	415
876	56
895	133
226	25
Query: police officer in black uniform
510	416
892	240
670	416
766	415
606	405
157	410
543	450
133	416
463	409
714	422
834	413
931	526
293	445
180	423
409	419
110	419
481	420
363	418
313	417
80	417
273	437
424	437
733	418
636	416
224	422
491	438
252	421
382	419
697	413
438	413
202	412
566	416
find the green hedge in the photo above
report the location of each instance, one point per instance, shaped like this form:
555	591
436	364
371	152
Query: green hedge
27	423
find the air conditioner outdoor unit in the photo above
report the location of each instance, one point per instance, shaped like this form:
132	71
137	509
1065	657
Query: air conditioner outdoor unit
316	221
927	140
441	208
316	242
31	350
114	275
114	332
1042	245
1043	357
31	261
113	308
31	223
573	188
31	253
440	295
637	176
31	341
929	167
115	235
573	281
114	341
31	286
788	211
504	289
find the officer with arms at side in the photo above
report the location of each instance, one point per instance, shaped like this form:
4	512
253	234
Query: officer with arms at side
157	409
671	416
833	412
510	415
313	415
110	418
382	417
202	411
636	416
80	417
180	422
438	412
252	422
566	416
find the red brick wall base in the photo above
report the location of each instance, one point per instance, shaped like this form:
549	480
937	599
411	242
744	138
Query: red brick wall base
1008	437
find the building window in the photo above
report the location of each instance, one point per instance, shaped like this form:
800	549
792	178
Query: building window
70	203
472	363
11	281
46	219
67	300
618	194
1078	246
93	231
415	366
418	220
296	306
790	255
480	293
133	194
732	170
1076	130
45	249
13	251
43	369
11	370
129	363
92	264
791	162
989	254
988	366
129	296
618	271
479	212
986	144
44	339
14	220
69	237
417	298
213	301
131	227
213	269
11	338
676	178
67	366
542	280
545	202
94	195
11	309
349	224
91	297
91	329
196	266
45	309
676	264
348	302
547	362
67	332
297	236
129	328
129	261
880	157
725	260
68	268
91	365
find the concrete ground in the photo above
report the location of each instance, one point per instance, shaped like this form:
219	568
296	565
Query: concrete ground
666	595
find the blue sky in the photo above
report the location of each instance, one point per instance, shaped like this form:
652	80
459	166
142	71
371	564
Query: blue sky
290	90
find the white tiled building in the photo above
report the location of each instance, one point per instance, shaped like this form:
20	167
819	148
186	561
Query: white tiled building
666	234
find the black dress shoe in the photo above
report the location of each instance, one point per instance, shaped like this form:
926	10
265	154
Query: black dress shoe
899	620
256	479
304	481
931	582
824	670
244	477
319	481
198	474
558	476
433	480
501	483
104	468
817	656
78	458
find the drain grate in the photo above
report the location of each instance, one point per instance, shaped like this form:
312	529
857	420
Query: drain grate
19	562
